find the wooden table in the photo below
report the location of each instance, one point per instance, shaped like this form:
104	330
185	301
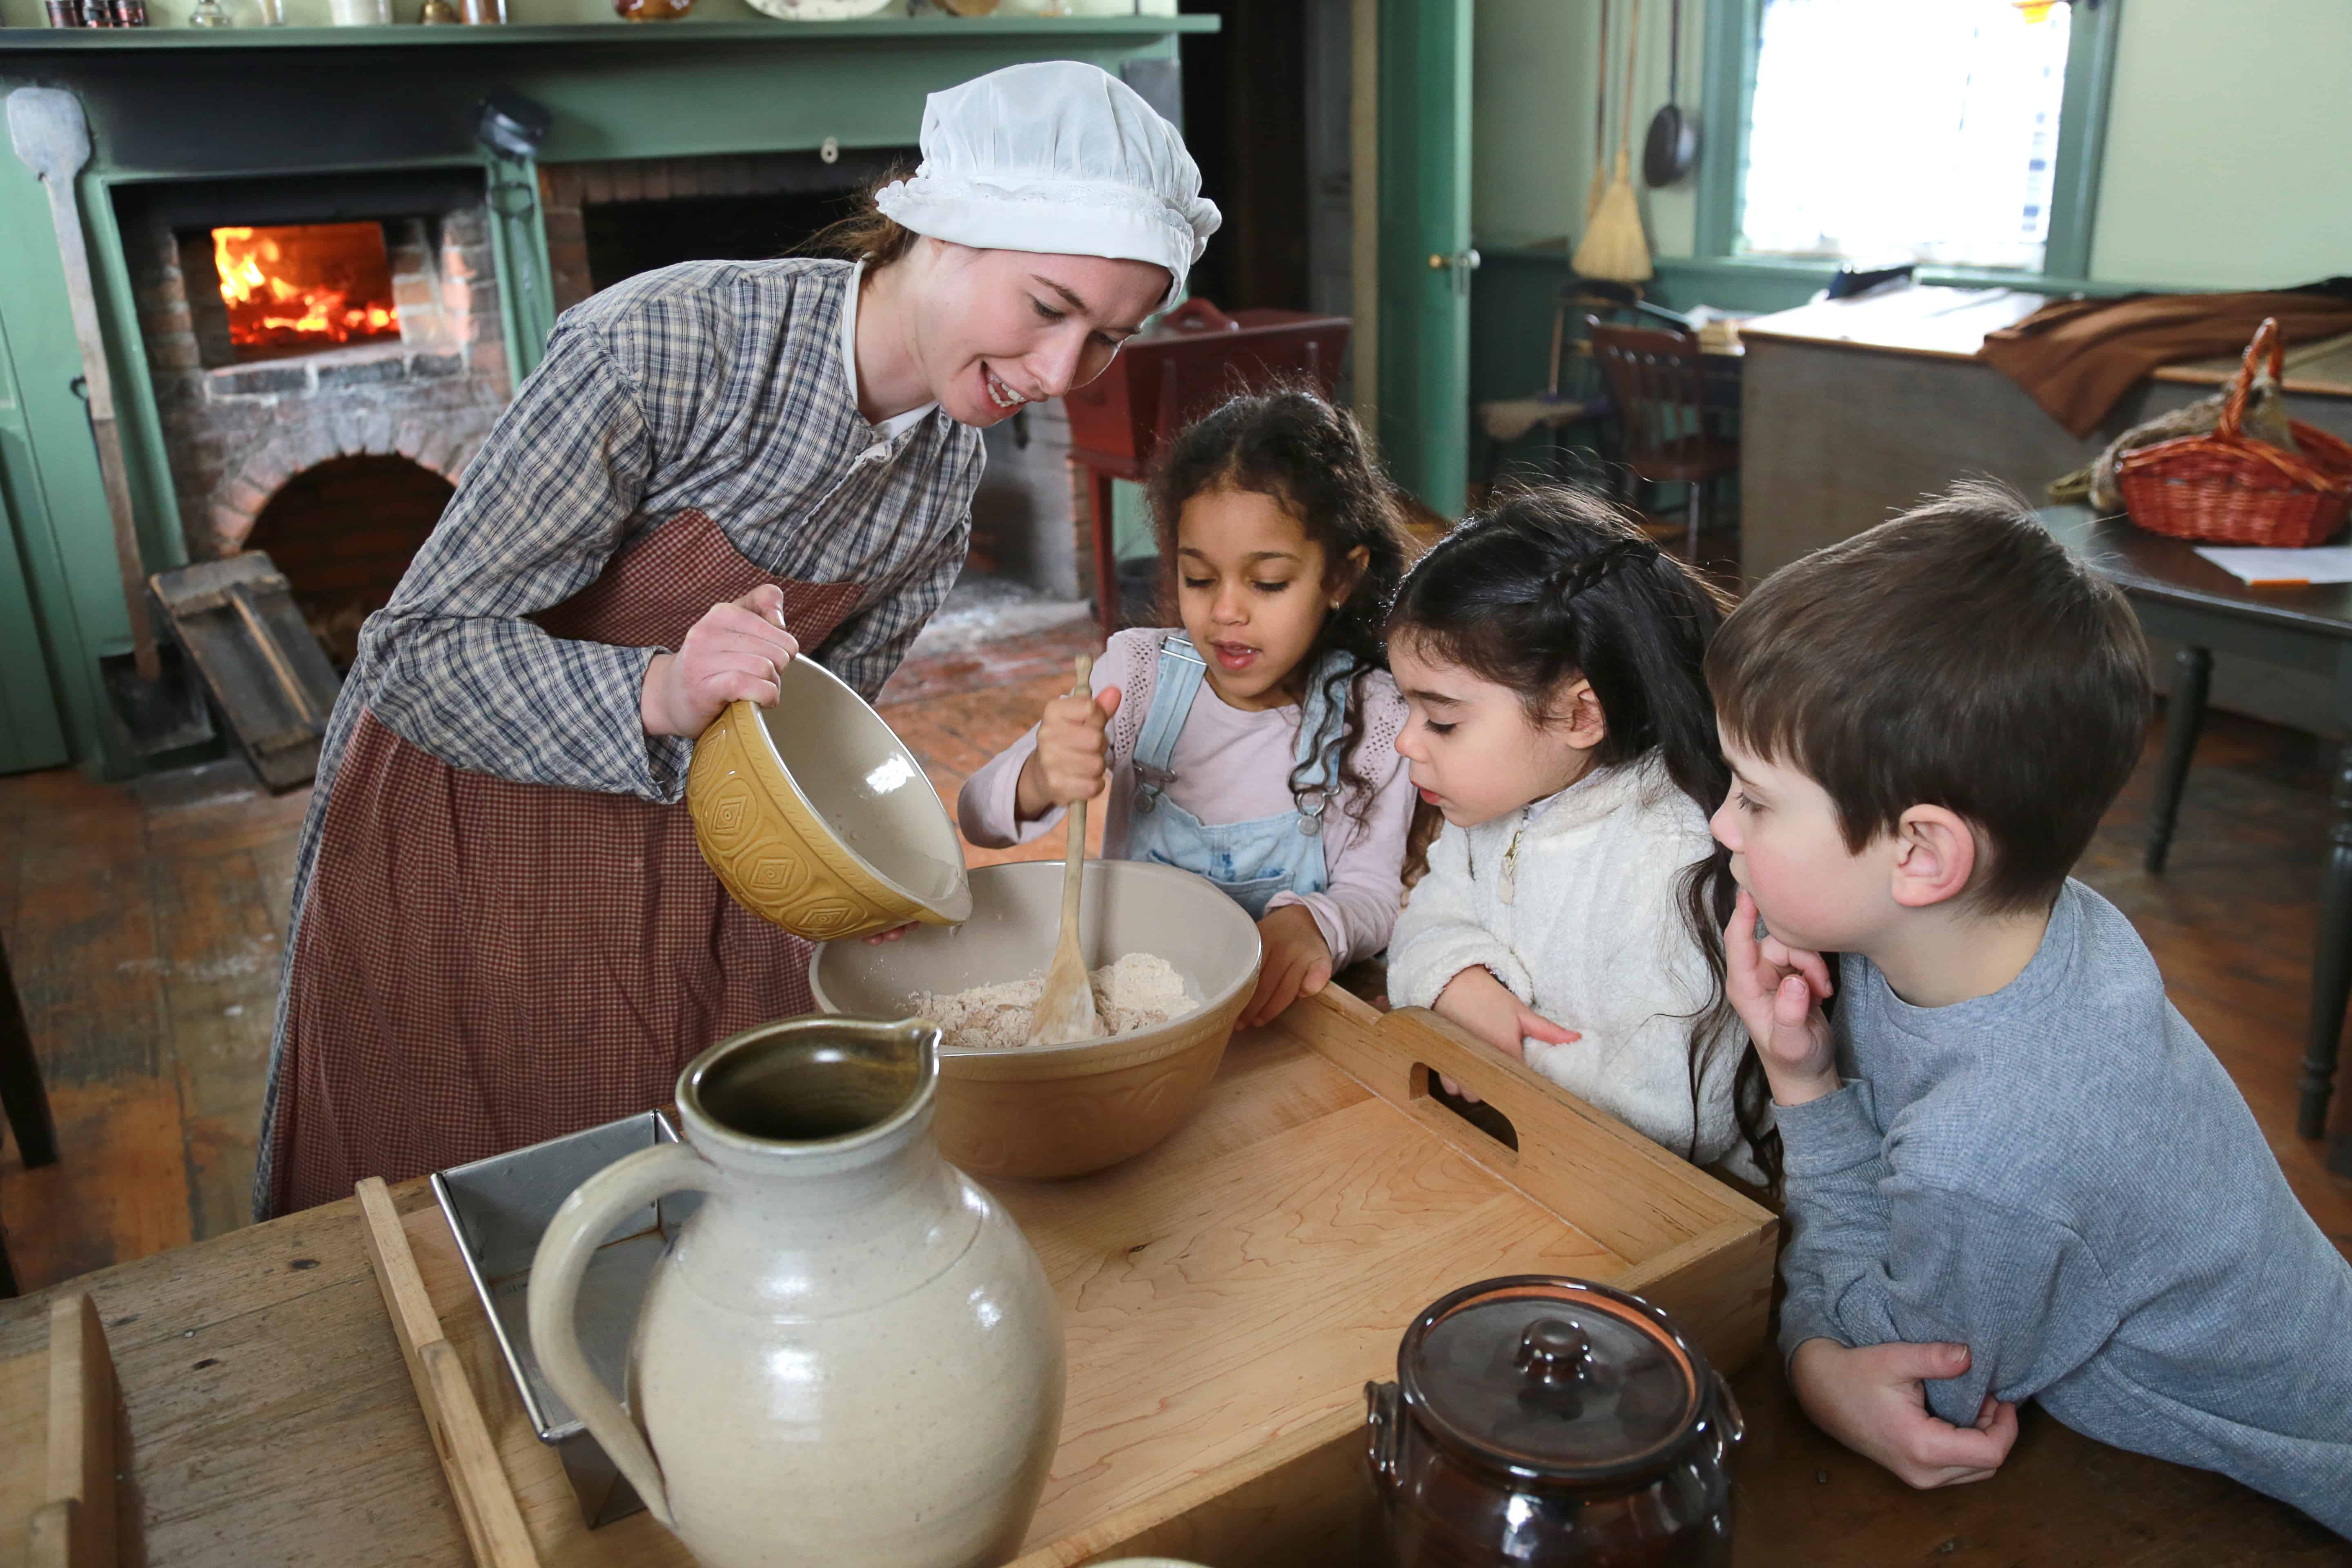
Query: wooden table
270	1421
2323	368
2180	596
1852	409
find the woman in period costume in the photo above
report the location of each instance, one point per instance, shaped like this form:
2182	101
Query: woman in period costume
503	932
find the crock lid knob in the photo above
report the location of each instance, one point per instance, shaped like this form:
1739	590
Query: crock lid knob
1555	1353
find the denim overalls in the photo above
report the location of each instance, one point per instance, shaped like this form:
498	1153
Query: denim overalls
1251	861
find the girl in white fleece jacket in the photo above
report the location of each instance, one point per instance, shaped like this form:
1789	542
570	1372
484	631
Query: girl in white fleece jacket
1550	656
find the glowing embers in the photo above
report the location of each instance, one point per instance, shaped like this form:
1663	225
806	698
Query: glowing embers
309	286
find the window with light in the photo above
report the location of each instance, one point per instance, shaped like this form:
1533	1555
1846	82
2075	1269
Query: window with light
1891	131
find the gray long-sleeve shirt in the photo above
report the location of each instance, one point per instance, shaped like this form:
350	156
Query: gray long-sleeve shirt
2062	1178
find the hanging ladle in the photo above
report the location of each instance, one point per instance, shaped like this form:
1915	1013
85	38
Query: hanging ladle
1672	150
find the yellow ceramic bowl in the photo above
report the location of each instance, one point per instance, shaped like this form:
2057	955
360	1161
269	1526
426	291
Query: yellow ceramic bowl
1043	1112
815	816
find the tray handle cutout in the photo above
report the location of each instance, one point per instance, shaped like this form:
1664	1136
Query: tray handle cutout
572	1240
1639	1200
1477	1113
1429	1044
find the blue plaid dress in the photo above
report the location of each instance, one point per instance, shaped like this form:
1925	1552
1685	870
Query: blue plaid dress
501	929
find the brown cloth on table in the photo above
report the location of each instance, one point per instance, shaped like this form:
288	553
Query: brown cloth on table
484	965
2078	357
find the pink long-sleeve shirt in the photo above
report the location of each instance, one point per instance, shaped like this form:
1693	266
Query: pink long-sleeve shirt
1235	766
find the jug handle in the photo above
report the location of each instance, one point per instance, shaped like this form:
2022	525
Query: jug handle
572	1240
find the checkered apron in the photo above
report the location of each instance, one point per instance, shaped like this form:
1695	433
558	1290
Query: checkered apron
483	964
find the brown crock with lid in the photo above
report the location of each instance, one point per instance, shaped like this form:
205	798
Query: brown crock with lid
1544	1420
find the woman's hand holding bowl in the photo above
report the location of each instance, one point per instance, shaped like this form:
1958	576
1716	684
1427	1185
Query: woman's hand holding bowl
735	650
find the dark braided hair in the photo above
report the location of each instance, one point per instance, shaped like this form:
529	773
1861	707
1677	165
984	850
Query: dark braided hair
1556	583
1316	461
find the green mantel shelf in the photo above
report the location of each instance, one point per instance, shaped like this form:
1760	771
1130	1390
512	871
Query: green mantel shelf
924	30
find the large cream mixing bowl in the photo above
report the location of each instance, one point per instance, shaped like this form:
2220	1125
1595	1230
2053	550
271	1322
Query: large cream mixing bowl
1040	1112
815	816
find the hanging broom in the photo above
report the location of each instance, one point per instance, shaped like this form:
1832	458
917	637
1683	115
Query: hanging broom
1600	124
1614	246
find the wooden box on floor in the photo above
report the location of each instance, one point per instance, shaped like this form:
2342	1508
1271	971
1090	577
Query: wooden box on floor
260	660
1226	1296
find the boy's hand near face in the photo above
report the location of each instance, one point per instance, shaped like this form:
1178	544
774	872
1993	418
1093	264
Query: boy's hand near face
1872	1400
1485	1007
1778	991
1071	761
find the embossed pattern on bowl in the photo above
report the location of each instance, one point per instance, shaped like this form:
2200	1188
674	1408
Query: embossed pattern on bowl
814	815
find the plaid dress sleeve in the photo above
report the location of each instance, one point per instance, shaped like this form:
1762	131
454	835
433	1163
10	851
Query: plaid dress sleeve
711	386
451	665
869	645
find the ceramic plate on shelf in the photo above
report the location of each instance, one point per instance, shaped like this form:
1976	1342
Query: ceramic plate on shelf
818	10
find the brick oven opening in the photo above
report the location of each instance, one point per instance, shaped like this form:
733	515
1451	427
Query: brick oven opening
343	533
327	354
301	288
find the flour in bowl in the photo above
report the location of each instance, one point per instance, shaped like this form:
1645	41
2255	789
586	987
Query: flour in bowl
1141	991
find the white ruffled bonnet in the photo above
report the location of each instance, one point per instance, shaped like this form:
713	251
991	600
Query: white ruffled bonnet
1056	157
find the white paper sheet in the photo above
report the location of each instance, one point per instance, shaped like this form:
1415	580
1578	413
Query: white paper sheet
2252	564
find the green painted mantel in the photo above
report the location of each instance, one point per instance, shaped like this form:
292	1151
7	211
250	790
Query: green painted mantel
178	104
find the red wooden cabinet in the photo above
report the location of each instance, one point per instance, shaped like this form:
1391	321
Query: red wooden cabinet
1193	359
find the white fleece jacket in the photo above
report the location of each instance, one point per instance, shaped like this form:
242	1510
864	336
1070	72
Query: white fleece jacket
1592	936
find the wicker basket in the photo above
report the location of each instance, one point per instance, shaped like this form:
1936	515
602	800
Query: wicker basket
2229	489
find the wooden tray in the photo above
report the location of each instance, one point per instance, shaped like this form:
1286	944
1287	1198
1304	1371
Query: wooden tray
59	1416
1226	1296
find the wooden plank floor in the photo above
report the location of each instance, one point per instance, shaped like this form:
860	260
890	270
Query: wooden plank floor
145	924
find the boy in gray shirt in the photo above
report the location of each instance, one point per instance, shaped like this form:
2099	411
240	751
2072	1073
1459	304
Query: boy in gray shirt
2013	1169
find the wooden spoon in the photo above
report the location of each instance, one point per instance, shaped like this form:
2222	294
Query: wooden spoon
1067	1011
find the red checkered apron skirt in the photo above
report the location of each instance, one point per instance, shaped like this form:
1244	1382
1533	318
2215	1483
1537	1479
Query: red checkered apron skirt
484	965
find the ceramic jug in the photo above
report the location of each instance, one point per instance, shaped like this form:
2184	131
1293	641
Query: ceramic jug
850	1354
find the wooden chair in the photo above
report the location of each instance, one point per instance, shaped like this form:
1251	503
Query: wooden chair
1672	427
1584	405
25	1103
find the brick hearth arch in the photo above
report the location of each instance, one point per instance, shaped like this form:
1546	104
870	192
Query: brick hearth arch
445	443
